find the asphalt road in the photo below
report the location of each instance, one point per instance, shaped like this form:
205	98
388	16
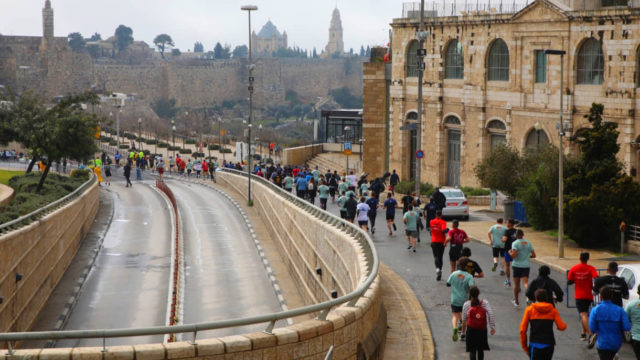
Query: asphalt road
418	270
129	283
225	276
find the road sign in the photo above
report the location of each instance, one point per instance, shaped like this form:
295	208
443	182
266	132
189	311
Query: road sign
419	154
348	148
223	132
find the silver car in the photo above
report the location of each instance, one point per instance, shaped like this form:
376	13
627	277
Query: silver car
457	204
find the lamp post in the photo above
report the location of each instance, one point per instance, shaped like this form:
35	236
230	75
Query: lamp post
249	9
140	132
422	52
361	141
344	140
561	128
118	103
173	134
220	137
260	133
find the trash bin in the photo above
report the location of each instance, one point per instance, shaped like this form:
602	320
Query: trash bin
508	208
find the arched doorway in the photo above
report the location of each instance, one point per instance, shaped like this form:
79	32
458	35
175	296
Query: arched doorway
412	118
536	138
497	133
454	136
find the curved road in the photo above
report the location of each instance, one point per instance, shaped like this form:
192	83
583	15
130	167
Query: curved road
129	284
225	276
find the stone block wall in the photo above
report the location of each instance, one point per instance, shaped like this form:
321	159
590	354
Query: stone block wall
301	154
374	117
41	252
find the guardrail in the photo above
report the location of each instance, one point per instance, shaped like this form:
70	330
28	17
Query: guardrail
32	216
324	307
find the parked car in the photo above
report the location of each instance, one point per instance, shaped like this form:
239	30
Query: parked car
457	204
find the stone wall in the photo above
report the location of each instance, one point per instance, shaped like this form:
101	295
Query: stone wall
306	243
41	252
374	118
6	195
301	154
520	102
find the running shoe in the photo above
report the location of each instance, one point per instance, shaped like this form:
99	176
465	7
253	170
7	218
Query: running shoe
414	249
463	337
583	337
507	283
495	265
409	248
592	341
373	230
438	275
390	233
515	303
501	272
455	335
394	227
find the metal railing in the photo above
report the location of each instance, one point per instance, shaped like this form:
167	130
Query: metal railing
34	215
633	232
323	307
411	10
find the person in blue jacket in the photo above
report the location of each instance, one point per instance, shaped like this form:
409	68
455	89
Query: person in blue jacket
608	322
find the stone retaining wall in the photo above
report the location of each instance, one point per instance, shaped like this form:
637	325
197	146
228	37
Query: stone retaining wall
6	195
40	252
301	154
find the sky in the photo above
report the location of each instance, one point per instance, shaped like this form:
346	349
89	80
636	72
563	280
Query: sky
364	22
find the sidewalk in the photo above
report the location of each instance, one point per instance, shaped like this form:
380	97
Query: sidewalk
546	246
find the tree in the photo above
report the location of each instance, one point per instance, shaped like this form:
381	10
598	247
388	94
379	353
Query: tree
222	52
76	41
165	108
344	97
198	47
96	37
501	170
175	52
240	52
163	41
367	53
124	37
362	51
315	53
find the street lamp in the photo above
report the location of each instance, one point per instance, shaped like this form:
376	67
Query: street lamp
361	141
344	141
118	100
422	52
186	113
173	134
140	133
220	137
561	128
249	9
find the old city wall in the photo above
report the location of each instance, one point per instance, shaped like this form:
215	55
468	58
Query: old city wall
41	252
314	77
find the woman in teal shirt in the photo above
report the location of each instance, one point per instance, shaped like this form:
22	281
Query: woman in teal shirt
633	311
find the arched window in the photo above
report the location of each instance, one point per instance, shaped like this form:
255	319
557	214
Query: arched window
452	120
454	61
536	138
412	59
496	125
412	116
590	63
497	133
498	64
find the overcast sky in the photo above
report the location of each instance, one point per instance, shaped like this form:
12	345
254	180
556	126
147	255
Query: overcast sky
365	22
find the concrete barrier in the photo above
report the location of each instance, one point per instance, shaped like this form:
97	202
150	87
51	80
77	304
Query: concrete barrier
6	195
301	154
33	258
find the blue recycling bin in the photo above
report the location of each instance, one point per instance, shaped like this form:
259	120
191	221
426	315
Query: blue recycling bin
519	213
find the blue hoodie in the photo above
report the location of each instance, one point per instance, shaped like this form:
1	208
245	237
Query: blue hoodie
609	321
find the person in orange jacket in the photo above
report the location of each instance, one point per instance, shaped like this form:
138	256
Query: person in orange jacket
540	315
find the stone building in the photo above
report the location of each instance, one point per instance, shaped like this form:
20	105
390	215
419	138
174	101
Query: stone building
268	40
488	80
335	46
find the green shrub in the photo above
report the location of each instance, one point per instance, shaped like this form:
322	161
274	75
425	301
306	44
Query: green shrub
407	187
471	191
146	152
184	151
113	143
82	174
129	136
163	145
106	138
191	141
226	151
173	148
198	154
214	147
124	146
150	141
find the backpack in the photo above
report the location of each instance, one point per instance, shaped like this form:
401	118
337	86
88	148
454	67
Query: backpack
477	318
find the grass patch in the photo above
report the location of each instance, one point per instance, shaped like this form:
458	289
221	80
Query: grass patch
5	175
26	200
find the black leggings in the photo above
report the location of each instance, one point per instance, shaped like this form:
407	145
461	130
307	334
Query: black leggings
607	354
438	251
636	348
541	354
372	219
476	354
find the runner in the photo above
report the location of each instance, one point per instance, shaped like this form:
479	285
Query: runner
457	238
394	179
438	230
476	313
410	220
541	315
472	267
342	200
160	167
352	207
582	276
107	171
543	281
364	188
508	239
430	212
323	194
390	206
460	281
608	322
373	212
311	190
288	182
616	284
496	233
333	186
633	311
521	251
127	174
363	214
406	201
301	186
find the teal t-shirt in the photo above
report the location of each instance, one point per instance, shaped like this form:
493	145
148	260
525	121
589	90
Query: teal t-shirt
351	194
288	182
633	311
342	187
364	188
460	282
524	249
189	165
341	201
323	190
316	175
497	232
412	220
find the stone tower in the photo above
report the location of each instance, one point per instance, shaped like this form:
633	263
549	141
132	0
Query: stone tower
47	21
335	45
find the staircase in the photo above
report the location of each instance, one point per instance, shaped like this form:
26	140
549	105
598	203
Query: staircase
335	161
